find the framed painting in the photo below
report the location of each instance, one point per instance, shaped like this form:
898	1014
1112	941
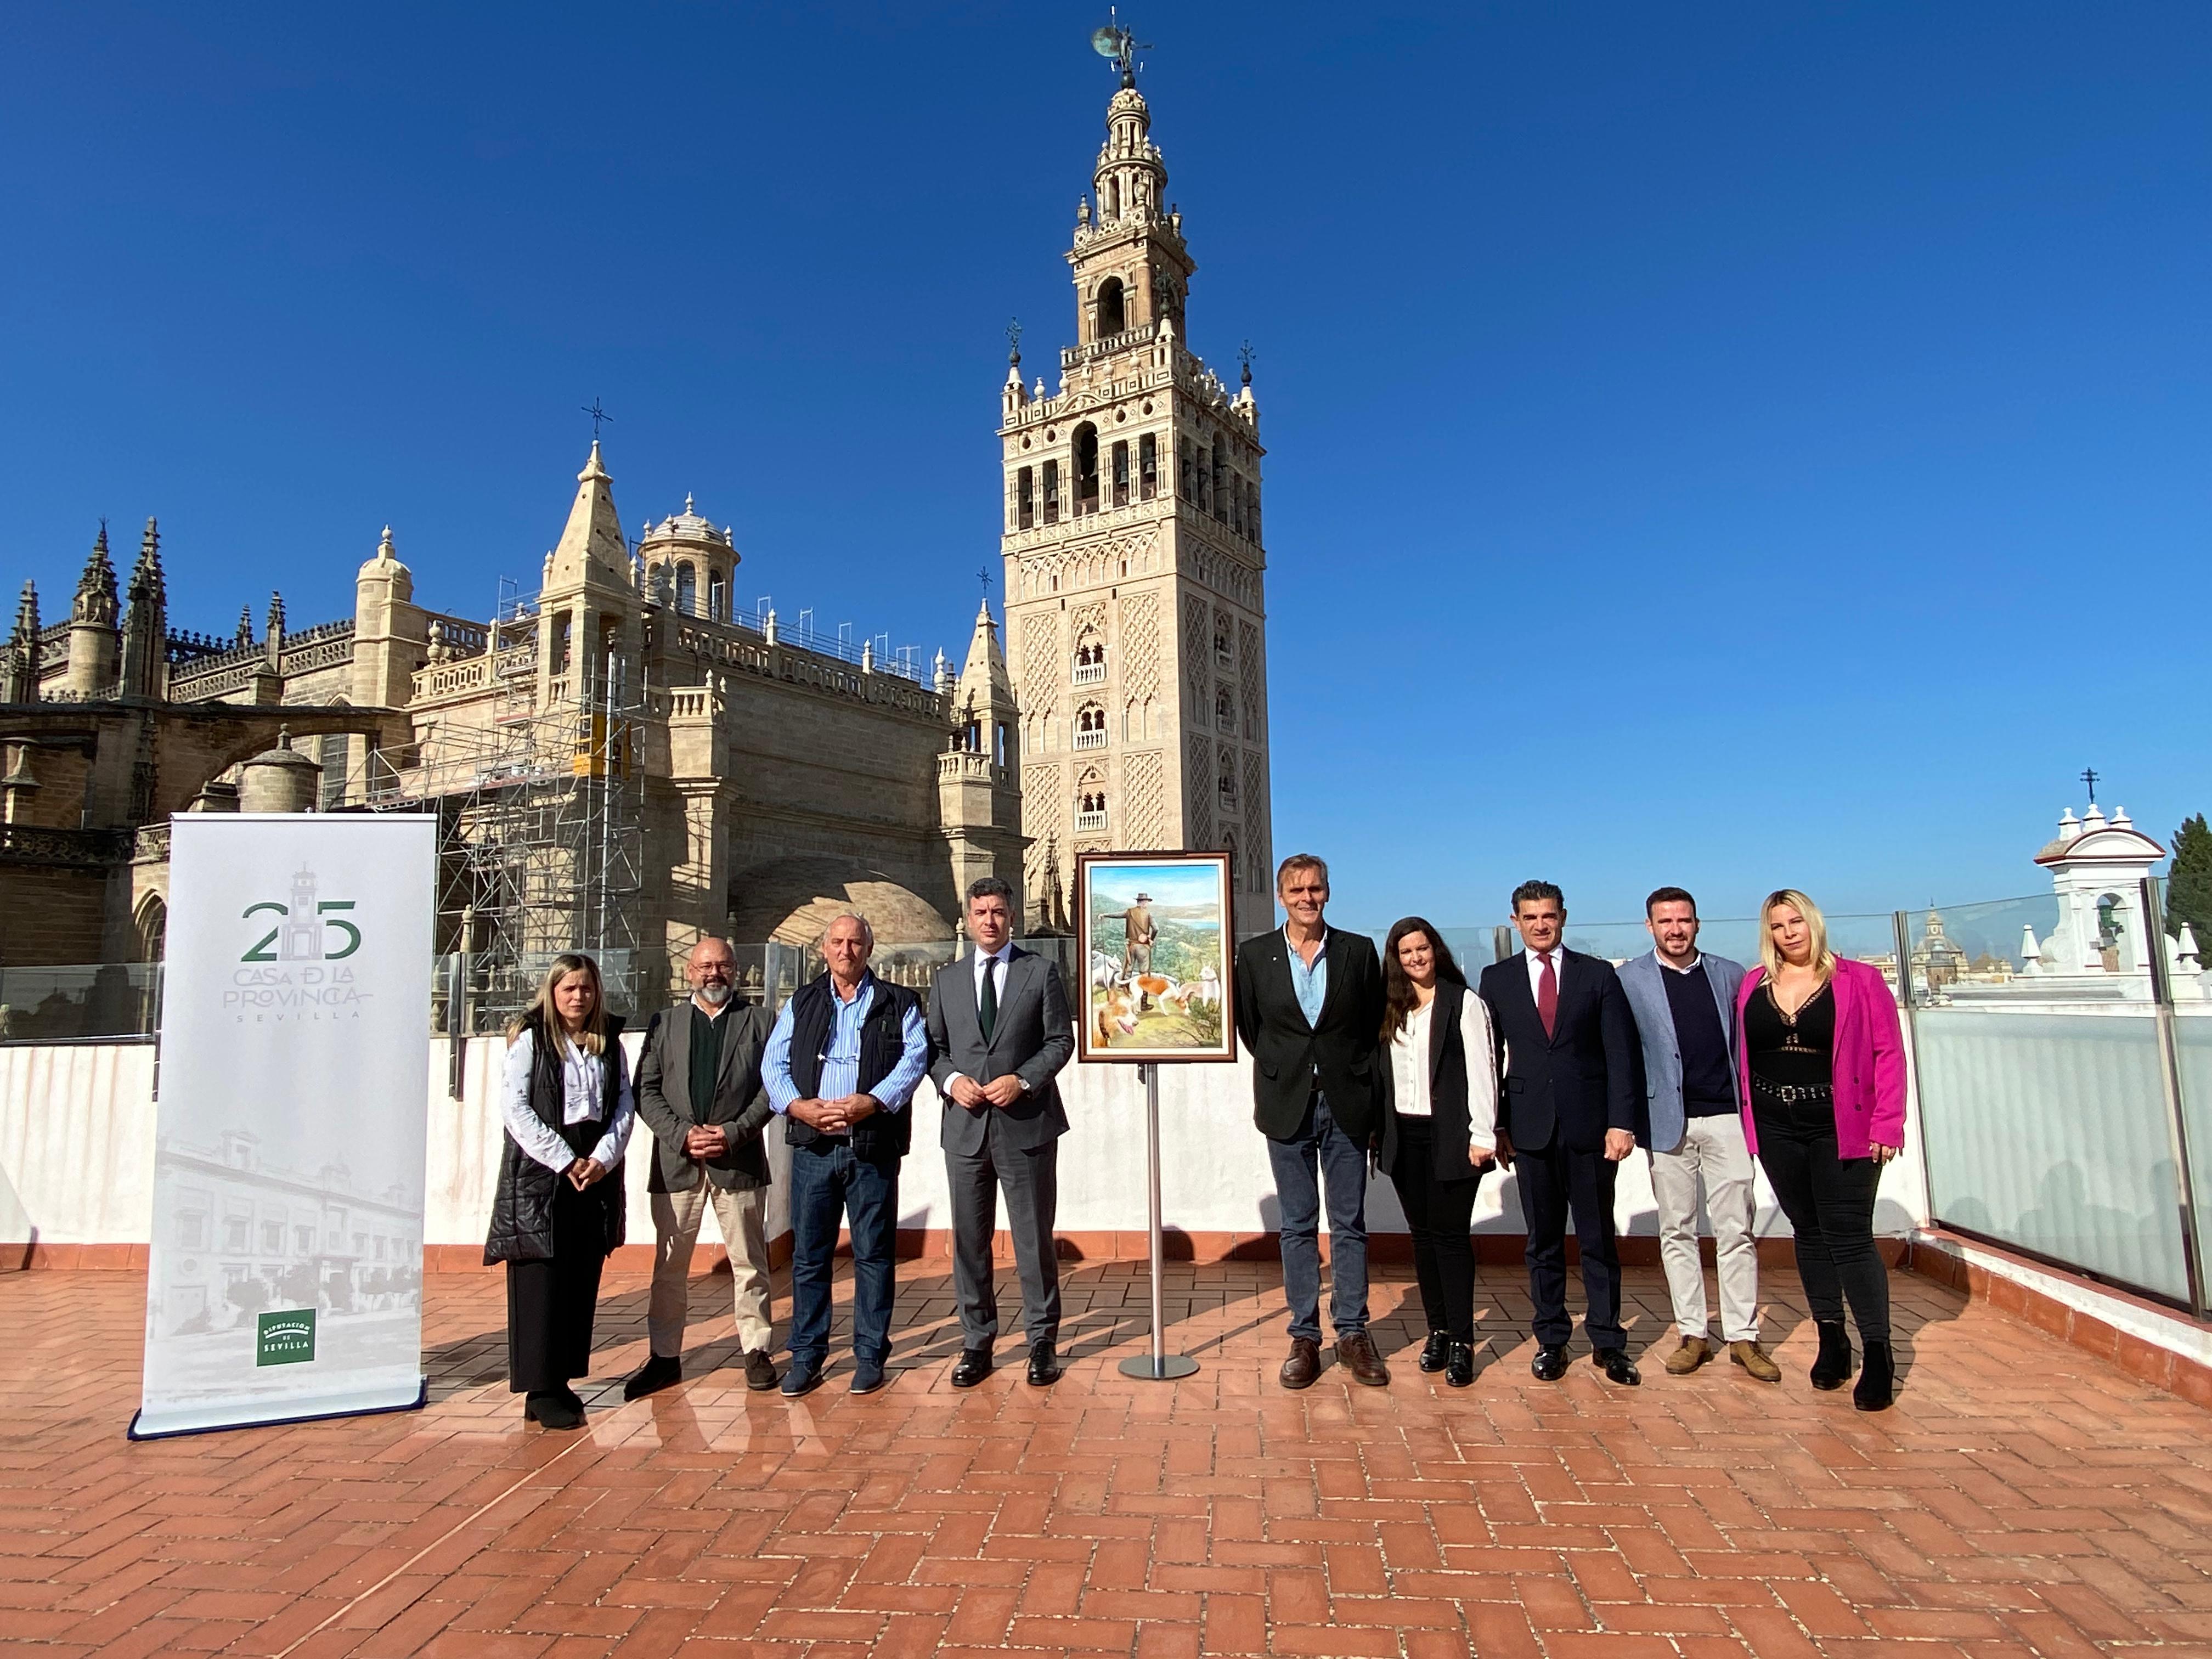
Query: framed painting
1153	934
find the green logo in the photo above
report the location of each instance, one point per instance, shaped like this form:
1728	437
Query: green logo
304	927
284	1339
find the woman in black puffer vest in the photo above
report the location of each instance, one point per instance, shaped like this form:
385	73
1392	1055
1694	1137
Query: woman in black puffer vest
558	1212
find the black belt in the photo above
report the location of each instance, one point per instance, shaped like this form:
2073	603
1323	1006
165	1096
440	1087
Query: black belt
1793	1094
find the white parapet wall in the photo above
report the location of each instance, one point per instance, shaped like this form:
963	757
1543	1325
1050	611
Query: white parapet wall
77	1130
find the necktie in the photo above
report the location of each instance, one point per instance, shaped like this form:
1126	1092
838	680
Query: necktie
1547	993
986	1005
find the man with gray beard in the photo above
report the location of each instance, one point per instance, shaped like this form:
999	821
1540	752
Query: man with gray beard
699	1091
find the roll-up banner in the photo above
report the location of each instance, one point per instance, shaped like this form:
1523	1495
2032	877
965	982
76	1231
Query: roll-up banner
285	1280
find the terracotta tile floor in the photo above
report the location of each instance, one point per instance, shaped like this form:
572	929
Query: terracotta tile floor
2023	1498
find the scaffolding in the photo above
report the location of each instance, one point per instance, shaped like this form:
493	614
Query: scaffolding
540	833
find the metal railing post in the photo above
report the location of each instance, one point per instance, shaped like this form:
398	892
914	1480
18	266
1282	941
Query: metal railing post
2169	1073
1919	1097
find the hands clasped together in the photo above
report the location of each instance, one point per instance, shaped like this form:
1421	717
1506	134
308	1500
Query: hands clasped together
835	1117
1000	1091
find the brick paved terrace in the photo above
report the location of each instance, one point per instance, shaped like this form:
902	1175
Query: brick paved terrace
2023	1498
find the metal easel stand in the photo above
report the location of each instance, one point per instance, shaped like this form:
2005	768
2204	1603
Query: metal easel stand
1159	1366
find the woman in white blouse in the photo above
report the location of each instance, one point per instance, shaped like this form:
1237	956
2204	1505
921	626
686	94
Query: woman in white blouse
558	1212
1439	1128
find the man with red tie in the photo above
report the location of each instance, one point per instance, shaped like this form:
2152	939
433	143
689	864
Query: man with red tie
1567	1116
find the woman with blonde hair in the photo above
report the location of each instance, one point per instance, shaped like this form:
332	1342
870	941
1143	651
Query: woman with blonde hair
1821	1059
558	1212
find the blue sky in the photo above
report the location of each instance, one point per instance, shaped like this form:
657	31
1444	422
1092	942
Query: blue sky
1736	444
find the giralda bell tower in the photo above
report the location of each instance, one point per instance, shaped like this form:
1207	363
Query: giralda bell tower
1135	612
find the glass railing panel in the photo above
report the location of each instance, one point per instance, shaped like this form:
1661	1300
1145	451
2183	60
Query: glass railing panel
2046	1129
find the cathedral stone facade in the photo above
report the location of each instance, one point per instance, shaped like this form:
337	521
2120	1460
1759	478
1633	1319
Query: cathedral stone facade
1136	621
733	775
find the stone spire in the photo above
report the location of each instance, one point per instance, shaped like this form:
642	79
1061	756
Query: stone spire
276	627
92	636
146	623
984	675
19	664
592	547
245	624
95	588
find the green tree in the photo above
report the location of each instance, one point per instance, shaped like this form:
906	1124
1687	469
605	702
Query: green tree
2189	881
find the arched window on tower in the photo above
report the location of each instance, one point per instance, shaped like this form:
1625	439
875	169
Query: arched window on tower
1205	480
687	587
1091	727
1237	503
1227	787
718	595
1120	475
1252	508
1113	307
1148	467
1220	505
1052	492
1089	659
1090	808
1086	468
1224	708
1186	474
1025	499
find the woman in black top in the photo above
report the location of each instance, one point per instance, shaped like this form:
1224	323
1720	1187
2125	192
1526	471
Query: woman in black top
1814	1037
1439	1128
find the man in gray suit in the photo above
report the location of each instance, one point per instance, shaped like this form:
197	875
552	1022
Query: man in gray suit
1000	1031
699	1090
1685	1008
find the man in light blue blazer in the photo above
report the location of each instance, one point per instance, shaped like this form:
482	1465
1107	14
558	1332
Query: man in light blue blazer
1685	1006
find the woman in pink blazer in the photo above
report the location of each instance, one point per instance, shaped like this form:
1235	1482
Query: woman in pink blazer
1820	1055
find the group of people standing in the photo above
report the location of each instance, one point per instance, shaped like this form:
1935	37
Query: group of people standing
1554	1066
840	1066
1558	1066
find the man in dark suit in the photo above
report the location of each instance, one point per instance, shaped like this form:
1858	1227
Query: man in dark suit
1309	1009
1573	1092
699	1091
1000	1031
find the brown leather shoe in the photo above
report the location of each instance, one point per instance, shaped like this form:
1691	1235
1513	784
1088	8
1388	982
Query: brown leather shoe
1753	1358
1357	1355
1303	1364
1693	1353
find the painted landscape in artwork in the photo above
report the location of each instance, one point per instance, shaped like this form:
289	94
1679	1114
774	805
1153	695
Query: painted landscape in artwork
1155	973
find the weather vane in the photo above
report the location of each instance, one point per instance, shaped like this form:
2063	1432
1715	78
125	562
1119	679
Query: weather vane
1013	339
984	577
2089	776
598	414
1119	47
1244	355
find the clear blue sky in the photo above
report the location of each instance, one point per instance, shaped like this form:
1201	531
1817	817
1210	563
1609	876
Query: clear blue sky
1730	444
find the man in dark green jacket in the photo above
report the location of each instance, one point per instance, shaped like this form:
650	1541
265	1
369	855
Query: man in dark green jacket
699	1091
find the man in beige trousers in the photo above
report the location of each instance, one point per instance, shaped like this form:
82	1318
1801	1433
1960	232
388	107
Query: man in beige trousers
699	1091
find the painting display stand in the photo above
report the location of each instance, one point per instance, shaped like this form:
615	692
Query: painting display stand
1159	1366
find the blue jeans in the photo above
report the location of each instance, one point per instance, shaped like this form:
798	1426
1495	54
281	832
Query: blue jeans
1321	1152
827	1181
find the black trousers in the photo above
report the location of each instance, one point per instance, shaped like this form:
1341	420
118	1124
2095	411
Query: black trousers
1555	1185
1829	1200
549	1305
1438	1214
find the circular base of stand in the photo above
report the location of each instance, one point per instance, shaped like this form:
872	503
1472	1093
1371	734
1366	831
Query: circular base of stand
1171	1367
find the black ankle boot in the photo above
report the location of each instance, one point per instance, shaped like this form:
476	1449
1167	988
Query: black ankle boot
1877	1384
1832	1366
1435	1352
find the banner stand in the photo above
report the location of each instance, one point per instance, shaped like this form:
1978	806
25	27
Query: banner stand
416	1404
1159	1366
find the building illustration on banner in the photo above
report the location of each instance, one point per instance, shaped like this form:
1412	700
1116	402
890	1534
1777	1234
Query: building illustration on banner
303	929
